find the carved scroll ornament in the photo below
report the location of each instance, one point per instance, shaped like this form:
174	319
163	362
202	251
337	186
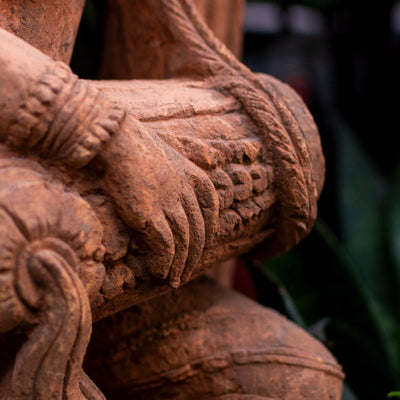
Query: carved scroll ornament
114	191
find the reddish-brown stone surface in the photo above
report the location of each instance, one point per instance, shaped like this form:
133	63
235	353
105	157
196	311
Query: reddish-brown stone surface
208	342
225	18
50	26
114	192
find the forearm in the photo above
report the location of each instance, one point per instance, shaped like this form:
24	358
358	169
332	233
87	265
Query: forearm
46	109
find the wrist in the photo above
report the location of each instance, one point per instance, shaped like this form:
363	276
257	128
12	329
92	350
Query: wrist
64	118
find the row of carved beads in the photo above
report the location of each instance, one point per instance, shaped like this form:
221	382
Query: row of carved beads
64	118
243	195
240	182
240	179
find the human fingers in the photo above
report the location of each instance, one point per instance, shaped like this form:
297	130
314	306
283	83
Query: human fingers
208	201
196	234
155	246
180	229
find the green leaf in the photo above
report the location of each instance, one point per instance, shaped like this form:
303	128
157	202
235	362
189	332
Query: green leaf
393	219
393	394
348	393
356	305
361	194
360	202
294	288
323	295
288	303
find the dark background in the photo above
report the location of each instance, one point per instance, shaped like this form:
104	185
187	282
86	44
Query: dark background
342	283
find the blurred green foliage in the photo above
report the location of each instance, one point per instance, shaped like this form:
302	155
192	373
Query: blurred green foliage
345	289
342	283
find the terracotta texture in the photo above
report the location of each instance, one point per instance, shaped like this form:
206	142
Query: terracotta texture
50	26
208	342
114	192
225	18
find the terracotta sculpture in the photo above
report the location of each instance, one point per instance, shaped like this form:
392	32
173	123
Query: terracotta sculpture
113	192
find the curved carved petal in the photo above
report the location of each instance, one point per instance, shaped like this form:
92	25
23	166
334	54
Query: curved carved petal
44	253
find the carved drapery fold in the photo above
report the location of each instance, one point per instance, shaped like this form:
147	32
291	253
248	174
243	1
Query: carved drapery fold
46	251
225	19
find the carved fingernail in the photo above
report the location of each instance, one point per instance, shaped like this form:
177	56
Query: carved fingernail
175	283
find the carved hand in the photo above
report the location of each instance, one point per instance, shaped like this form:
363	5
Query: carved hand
169	202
